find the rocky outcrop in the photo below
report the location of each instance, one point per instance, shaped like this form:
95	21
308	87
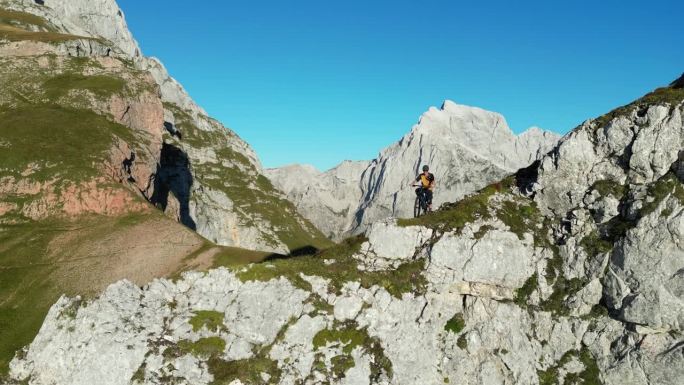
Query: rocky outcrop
85	18
510	285
466	147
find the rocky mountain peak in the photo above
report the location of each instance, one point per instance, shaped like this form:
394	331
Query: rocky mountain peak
466	147
90	18
461	122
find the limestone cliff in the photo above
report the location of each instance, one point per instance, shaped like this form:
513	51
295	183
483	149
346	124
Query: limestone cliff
467	148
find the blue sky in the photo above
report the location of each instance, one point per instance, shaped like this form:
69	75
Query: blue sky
322	81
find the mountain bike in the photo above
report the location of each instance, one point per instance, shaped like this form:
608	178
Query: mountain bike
420	207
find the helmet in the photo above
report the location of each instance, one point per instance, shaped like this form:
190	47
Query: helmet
426	168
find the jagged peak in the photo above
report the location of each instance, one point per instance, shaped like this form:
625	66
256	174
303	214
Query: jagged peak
536	131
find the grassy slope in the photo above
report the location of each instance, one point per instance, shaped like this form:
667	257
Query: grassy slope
253	194
18	26
46	124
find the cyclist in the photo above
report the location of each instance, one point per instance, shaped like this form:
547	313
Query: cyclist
427	184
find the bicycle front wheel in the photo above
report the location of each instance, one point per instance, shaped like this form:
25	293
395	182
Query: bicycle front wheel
417	207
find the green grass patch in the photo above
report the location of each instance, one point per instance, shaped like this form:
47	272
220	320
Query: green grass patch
484	229
348	336
590	375
100	85
456	324
212	320
64	142
27	289
524	293
550	375
248	371
665	95
139	375
562	289
233	256
11	33
609	187
8	16
594	245
29	283
454	216
253	195
18	26
659	191
342	269
204	348
521	216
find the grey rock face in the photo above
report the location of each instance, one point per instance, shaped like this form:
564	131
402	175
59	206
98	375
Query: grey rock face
646	280
88	18
466	147
329	199
636	148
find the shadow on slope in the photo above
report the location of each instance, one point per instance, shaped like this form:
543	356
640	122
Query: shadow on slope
174	176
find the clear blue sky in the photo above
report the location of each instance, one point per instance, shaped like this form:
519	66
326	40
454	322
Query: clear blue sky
322	81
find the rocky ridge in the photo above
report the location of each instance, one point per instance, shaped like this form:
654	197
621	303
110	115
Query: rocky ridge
466	147
568	272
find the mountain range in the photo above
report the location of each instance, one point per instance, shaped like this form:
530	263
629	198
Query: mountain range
467	149
131	251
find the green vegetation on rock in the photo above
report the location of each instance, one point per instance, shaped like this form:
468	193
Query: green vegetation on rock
100	85
248	371
212	320
340	268
521	216
671	95
18	19
454	216
594	245
455	324
562	289
664	187
18	26
204	347
590	375
348	336
608	187
524	293
253	195
462	342
64	142
31	272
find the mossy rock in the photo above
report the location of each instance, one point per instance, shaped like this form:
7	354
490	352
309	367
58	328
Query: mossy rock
455	324
212	320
